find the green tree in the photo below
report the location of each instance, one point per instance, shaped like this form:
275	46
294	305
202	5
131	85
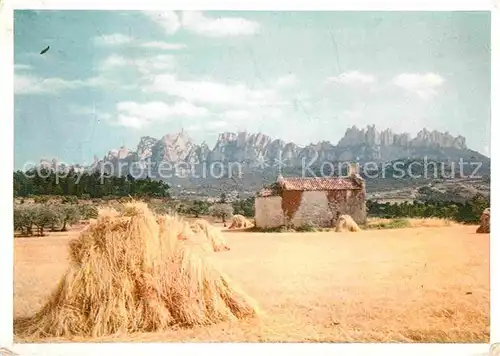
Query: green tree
87	184
70	214
198	207
24	219
478	204
245	207
45	217
222	211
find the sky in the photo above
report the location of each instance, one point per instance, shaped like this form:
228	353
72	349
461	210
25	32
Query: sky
111	77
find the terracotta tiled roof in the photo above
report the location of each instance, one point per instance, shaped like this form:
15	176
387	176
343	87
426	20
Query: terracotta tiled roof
319	183
265	192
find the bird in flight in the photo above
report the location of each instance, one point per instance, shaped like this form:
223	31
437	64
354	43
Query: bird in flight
45	50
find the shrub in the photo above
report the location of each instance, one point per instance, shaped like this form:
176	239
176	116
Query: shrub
307	227
282	228
221	210
391	224
88	211
41	199
69	199
161	208
198	207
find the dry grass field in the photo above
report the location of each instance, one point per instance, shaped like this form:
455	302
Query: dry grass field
422	284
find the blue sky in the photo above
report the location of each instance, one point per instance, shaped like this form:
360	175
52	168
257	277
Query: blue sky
111	77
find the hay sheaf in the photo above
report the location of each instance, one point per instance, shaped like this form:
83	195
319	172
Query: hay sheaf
239	221
212	234
346	223
133	274
484	222
106	211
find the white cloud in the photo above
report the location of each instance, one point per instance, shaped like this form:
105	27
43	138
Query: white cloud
118	39
238	115
353	114
112	62
424	85
253	114
353	78
110	72
208	125
163	45
238	119
287	81
89	111
132	122
197	22
27	84
217	124
115	39
145	65
169	20
211	92
136	115
22	67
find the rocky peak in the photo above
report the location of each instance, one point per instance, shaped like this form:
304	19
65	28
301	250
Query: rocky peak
258	140
426	138
240	146
144	148
117	153
225	137
172	148
370	136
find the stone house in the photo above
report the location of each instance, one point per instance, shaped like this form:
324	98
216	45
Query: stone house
317	201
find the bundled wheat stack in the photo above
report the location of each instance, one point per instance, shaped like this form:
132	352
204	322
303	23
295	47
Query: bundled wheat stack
107	211
199	224
133	274
185	231
212	234
188	233
346	223
239	221
484	223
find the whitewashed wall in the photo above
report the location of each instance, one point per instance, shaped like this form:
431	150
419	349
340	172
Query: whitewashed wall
268	212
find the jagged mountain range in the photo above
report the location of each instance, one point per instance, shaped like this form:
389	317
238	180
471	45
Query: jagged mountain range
259	153
357	144
367	144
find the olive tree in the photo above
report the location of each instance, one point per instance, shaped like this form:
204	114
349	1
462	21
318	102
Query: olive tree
24	219
70	214
221	210
46	217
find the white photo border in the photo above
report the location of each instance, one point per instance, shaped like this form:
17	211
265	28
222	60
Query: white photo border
6	180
